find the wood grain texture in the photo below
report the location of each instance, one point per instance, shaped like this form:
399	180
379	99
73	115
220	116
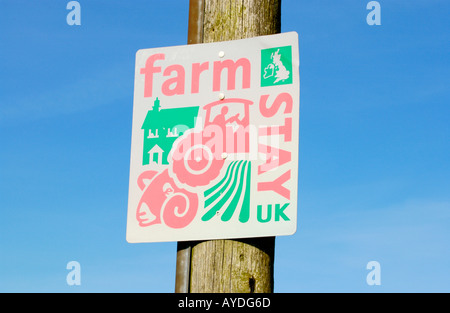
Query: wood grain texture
237	19
242	266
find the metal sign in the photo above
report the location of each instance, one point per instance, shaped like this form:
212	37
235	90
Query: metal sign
214	150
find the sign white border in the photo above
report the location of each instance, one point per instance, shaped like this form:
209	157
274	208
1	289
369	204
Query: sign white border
185	56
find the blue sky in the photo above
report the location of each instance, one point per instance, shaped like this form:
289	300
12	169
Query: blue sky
373	157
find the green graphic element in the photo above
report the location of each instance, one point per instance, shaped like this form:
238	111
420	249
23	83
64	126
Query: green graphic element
278	212
268	214
161	128
276	66
235	186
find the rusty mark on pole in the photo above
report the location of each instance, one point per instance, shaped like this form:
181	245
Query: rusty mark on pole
195	27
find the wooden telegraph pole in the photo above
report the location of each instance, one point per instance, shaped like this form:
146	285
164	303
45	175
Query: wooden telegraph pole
240	265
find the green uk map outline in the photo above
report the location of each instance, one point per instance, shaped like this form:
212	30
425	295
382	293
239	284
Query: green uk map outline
276	66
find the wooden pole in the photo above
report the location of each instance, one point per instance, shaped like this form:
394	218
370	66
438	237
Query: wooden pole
240	265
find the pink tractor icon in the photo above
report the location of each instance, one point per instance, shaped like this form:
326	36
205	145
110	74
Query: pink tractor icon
198	157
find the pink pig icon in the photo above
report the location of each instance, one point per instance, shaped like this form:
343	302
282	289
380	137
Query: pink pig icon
163	202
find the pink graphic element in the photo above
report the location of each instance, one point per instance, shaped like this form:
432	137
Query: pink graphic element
198	158
197	69
195	164
279	100
163	202
285	130
232	67
149	70
275	158
178	81
232	128
277	185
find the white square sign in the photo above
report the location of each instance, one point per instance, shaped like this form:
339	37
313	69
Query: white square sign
214	150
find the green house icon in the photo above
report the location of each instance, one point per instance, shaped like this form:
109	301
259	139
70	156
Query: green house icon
161	128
